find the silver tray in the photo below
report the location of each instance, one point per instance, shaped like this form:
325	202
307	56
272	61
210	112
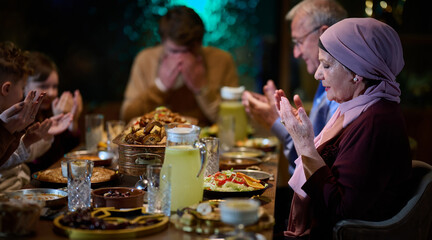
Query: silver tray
259	175
51	197
105	156
243	152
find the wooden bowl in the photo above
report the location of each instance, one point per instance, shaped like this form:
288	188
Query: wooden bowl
136	198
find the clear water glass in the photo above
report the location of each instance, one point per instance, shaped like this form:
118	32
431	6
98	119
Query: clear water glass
79	184
94	124
212	155
226	132
113	129
159	189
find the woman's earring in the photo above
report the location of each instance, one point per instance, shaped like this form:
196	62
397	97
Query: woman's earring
355	79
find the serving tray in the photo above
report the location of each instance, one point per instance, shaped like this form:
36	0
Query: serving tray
113	215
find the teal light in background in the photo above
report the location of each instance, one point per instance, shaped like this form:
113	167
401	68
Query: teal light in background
211	13
197	5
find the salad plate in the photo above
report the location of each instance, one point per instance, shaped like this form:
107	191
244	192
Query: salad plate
231	184
209	194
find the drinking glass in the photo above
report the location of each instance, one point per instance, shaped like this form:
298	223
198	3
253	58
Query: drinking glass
113	129
212	155
79	184
159	189
226	132
142	161
94	124
240	213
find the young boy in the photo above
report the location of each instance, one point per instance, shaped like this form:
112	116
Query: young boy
16	116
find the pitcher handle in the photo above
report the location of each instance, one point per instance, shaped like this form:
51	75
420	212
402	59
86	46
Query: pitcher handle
203	153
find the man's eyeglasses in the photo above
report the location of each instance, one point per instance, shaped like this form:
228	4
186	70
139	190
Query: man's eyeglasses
299	41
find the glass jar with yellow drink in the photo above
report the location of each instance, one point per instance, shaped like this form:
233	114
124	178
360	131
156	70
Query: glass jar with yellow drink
231	105
186	155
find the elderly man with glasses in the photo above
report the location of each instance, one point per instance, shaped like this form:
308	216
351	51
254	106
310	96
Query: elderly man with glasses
309	19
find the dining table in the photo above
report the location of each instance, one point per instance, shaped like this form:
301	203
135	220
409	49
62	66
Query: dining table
45	227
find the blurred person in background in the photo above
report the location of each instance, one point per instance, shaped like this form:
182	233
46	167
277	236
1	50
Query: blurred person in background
45	78
179	73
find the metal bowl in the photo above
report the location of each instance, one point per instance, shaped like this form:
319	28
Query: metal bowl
100	158
237	163
51	197
265	144
243	152
133	158
259	175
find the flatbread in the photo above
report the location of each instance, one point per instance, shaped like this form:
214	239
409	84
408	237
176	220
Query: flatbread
54	175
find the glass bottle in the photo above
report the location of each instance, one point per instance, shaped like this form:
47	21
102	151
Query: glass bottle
231	105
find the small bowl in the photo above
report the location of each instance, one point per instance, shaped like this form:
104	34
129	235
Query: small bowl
100	158
136	198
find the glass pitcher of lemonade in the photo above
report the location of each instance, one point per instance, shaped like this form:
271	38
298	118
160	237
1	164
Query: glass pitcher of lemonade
186	155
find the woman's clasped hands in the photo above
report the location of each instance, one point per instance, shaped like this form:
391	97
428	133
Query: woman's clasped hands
297	123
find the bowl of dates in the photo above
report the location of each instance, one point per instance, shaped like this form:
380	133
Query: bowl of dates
118	197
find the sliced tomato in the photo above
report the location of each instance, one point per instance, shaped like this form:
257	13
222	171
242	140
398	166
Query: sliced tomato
220	178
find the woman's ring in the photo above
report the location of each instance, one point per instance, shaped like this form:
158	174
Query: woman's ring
282	122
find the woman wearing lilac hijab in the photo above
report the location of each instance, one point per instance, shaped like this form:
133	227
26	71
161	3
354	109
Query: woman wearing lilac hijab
359	165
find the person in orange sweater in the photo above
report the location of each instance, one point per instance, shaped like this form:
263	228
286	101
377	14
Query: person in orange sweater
179	73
